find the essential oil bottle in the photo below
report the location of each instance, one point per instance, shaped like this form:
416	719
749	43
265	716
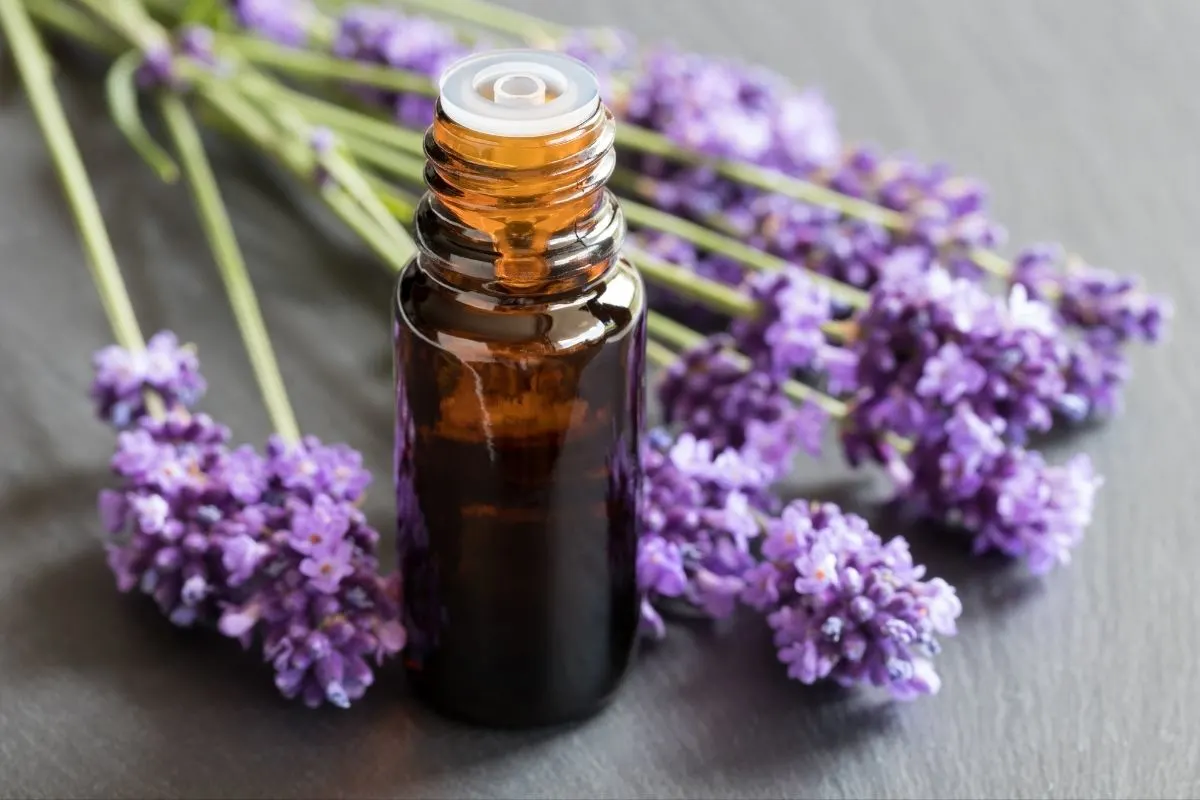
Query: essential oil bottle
519	344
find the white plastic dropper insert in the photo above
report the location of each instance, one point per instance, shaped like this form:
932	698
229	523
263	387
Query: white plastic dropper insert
519	93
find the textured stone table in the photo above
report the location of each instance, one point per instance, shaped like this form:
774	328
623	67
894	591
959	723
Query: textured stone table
1084	118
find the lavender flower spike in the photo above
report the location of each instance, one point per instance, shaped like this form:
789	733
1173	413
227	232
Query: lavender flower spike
121	377
1091	298
715	399
697	522
845	606
282	21
929	341
785	336
271	548
1009	497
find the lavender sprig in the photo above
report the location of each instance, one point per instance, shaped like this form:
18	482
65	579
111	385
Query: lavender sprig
848	607
843	605
287	22
124	378
696	525
929	340
706	393
961	472
270	549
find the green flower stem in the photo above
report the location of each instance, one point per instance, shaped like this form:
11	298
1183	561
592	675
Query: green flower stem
659	354
330	115
686	283
384	247
402	205
348	177
998	265
128	19
250	122
398	164
739	251
671	332
65	19
522	26
646	141
33	64
309	64
123	107
219	230
643	140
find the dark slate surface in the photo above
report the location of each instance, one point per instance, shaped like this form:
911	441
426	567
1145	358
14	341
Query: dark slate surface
1083	117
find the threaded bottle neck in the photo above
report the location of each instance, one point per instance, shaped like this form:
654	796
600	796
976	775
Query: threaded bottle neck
531	211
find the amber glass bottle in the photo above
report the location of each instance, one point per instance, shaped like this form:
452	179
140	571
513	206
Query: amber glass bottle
519	341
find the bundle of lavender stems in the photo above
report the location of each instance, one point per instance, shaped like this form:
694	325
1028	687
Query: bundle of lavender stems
799	287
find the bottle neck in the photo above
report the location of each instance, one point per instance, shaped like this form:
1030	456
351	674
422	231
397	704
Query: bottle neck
519	215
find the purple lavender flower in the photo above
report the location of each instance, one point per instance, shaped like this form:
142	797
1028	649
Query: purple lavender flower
728	109
1090	298
415	44
678	251
847	607
318	528
698	518
323	609
326	567
321	644
928	341
1104	311
1008	497
308	468
165	524
121	377
198	43
269	544
660	567
157	67
1096	374
283	21
786	334
715	399
322	142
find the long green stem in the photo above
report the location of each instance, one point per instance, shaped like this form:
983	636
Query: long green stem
671	332
522	26
258	129
123	107
376	138
686	283
717	296
128	19
334	117
219	230
34	66
402	205
659	354
70	21
643	140
309	64
739	251
398	164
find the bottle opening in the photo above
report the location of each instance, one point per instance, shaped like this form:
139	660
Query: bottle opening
519	93
519	90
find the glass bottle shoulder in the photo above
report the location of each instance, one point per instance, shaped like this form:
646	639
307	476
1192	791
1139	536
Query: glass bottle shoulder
481	322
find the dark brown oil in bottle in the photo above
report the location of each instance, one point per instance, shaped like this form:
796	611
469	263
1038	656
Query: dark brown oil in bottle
519	340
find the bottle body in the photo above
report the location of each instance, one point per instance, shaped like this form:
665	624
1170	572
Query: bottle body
517	476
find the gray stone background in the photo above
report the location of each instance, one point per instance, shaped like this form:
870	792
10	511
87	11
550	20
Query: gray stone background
1083	115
